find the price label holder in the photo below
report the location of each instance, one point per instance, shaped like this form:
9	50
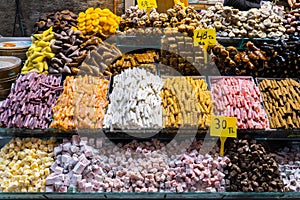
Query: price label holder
223	127
146	4
204	38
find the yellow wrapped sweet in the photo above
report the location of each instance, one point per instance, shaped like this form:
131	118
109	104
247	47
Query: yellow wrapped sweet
94	21
39	52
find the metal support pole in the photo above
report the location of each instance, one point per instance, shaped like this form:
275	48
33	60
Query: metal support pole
19	19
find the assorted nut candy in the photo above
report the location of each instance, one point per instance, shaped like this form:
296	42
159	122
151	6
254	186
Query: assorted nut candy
186	102
278	59
252	169
285	59
185	19
172	117
292	23
178	54
254	23
230	61
282	100
145	60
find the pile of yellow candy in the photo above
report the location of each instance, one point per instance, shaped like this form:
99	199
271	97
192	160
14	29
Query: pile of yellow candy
98	21
25	164
39	53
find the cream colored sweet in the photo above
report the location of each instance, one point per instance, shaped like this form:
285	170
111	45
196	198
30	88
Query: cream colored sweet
25	163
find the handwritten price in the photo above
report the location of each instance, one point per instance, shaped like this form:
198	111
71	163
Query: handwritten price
144	4
205	37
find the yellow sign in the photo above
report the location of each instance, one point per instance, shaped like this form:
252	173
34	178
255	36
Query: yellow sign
205	37
144	4
179	2
223	127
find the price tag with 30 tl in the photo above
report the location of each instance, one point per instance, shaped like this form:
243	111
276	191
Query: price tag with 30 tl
205	37
145	4
223	127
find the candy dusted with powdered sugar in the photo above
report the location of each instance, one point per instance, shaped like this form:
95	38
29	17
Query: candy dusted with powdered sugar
135	101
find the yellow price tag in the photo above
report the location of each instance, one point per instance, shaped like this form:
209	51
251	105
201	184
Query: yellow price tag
223	127
144	4
205	37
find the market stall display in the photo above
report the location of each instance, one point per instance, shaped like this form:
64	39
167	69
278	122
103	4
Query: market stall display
29	104
153	87
282	100
25	164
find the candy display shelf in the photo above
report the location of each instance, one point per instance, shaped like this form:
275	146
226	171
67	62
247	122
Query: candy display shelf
202	195
268	136
167	133
143	42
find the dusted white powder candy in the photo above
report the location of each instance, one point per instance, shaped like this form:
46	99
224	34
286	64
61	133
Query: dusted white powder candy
135	101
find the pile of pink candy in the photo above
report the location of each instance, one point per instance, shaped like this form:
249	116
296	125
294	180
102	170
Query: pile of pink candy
240	98
87	165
